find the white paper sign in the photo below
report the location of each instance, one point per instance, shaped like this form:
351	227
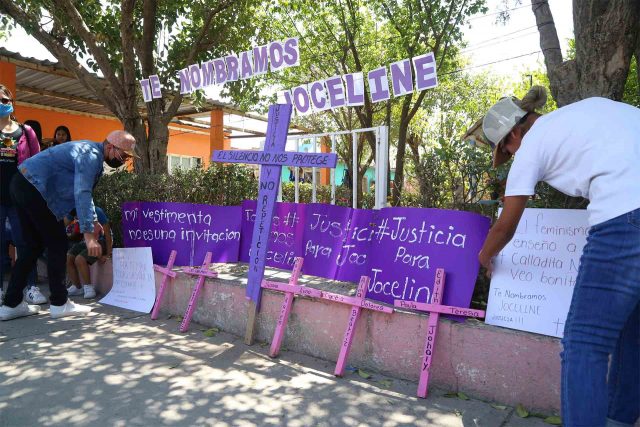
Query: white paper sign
133	280
535	273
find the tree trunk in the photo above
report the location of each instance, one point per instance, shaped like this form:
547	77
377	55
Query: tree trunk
400	158
606	35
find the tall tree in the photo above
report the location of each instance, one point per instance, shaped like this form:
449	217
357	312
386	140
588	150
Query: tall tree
337	38
607	34
130	39
357	36
424	26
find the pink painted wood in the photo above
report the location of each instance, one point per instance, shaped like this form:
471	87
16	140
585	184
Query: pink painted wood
289	290
202	274
166	271
358	303
434	309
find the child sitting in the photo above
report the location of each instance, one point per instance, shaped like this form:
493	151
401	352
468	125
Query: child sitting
78	260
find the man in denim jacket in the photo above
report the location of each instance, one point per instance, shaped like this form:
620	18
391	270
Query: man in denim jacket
47	188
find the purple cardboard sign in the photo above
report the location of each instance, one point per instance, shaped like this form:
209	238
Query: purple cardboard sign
192	230
277	128
323	237
399	248
287	226
410	244
272	160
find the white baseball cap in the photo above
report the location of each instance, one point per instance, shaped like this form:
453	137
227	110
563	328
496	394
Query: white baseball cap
497	124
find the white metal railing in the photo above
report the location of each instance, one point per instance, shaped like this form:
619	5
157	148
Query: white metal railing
381	164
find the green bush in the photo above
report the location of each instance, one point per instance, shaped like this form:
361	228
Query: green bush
323	195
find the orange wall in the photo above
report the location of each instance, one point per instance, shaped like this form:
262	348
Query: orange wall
80	126
184	143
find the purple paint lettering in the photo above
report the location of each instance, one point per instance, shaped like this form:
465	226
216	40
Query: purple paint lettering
276	55
335	91
401	78
195	76
301	100
146	90
291	52
286	97
355	88
232	68
208	74
425	71
318	95
185	82
260	60
221	70
246	69
155	86
378	84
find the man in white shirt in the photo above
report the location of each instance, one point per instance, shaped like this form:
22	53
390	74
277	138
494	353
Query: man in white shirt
589	149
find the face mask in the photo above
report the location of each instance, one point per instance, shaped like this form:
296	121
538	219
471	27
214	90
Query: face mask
6	109
114	163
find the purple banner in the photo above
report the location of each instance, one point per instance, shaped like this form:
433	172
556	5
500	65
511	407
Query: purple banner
409	244
284	243
191	229
398	248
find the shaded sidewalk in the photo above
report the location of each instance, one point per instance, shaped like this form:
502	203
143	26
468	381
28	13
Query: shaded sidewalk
119	368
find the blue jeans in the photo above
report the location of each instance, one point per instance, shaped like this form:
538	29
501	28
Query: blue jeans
9	211
604	322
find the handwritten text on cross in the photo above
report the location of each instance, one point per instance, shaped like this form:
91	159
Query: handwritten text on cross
272	160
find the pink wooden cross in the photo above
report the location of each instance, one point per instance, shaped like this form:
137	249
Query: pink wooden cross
166	271
290	289
202	273
358	303
434	309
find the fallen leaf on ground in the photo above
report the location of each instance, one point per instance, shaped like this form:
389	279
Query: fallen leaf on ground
521	411
364	374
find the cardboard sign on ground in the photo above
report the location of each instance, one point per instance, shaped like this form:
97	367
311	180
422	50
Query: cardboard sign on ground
134	285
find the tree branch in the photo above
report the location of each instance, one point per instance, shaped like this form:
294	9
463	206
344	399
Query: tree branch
195	49
128	56
62	54
77	23
145	51
549	42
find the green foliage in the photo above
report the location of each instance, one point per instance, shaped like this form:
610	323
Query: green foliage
632	87
323	195
224	185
